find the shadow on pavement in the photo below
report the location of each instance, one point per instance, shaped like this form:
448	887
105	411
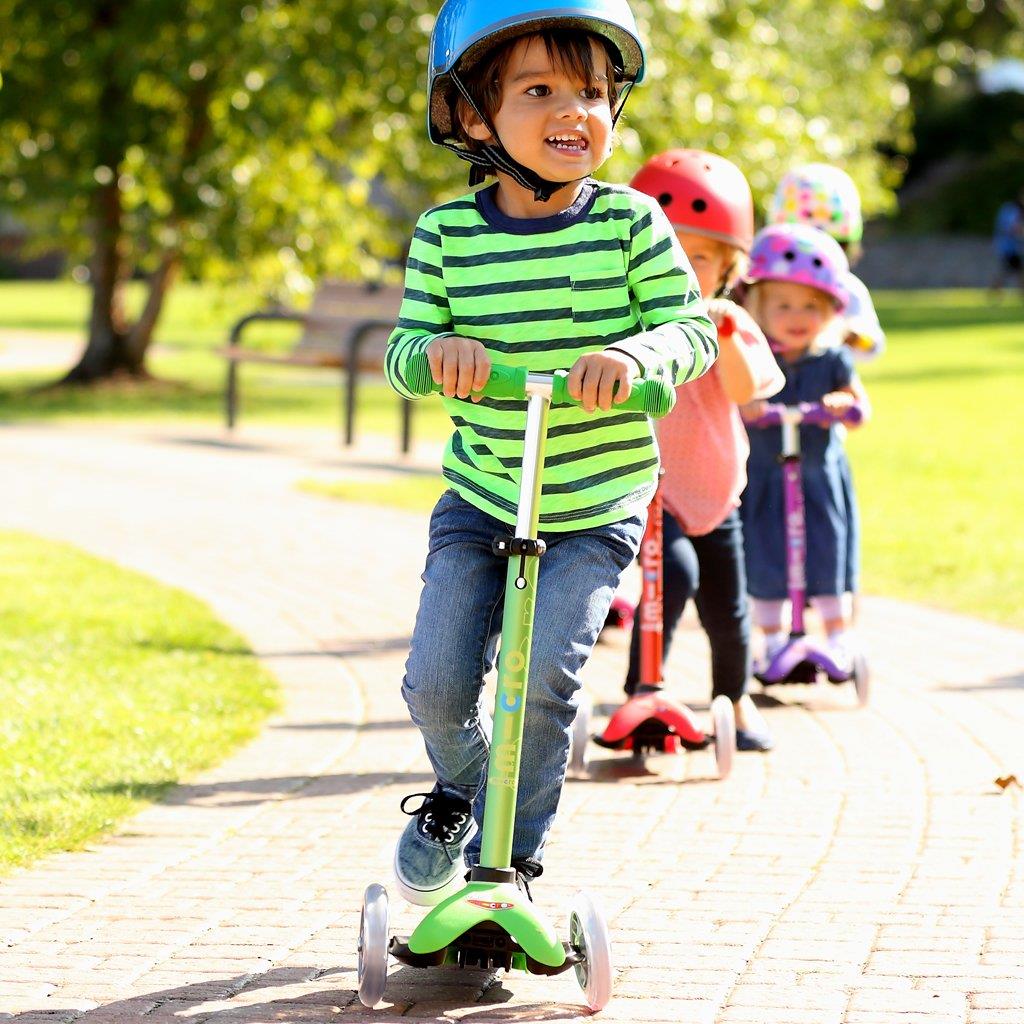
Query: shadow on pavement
629	768
1014	682
244	999
387	726
329	650
292	787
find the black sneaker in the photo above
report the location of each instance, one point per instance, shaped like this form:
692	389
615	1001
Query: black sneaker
428	857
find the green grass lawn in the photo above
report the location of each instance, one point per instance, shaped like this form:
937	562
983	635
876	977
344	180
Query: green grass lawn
113	688
937	469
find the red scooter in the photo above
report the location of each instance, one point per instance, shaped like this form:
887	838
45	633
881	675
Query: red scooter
651	720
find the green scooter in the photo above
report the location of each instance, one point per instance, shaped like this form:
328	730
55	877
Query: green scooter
491	923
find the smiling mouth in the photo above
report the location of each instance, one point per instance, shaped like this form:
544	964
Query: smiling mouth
569	143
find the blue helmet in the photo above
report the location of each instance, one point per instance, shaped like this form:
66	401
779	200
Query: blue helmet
466	29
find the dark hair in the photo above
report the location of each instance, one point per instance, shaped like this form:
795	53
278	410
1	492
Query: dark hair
568	49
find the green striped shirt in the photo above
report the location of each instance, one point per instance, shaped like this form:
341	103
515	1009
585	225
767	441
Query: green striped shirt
541	293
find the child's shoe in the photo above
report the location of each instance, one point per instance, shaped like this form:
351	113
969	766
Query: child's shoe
754	739
841	652
428	859
754	734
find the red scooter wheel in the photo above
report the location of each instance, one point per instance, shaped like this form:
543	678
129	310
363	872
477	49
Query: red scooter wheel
579	755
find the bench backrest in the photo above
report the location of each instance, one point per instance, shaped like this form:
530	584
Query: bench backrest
340	308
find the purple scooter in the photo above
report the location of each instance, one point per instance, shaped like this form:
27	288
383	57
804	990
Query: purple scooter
803	659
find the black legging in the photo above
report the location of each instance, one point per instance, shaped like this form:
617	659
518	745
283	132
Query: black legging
710	570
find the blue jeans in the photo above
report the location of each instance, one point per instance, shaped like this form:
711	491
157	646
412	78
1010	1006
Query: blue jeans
455	641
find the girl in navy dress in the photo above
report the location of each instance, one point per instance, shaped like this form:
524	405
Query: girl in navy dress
797	294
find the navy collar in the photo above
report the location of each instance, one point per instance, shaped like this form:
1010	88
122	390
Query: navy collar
535	225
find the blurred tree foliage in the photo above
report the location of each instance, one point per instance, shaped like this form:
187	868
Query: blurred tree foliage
968	152
280	140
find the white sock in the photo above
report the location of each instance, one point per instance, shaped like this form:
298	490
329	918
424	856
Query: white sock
773	643
828	606
767	614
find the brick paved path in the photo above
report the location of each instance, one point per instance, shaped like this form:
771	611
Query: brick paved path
866	872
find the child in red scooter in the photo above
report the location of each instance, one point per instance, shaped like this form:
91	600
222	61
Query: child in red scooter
703	443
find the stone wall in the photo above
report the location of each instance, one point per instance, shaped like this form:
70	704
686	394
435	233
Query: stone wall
926	261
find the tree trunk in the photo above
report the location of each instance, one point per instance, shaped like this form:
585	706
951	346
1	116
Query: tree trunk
141	333
106	352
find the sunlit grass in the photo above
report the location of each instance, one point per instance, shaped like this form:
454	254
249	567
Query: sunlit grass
113	688
938	469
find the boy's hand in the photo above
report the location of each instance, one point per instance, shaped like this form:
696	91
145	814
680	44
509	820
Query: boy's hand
593	379
460	365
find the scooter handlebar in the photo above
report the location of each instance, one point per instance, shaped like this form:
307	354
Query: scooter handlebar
651	395
813	413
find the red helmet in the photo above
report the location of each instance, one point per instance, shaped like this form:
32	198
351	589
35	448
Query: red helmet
701	192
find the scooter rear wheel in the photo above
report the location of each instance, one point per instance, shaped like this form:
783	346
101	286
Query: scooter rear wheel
861	680
724	717
588	934
579	755
374	926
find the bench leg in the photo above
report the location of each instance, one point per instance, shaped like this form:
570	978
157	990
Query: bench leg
231	395
407	408
348	383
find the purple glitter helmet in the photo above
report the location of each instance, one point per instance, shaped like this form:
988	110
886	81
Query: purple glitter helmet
800	254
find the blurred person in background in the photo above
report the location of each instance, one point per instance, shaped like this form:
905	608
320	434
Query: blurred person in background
1008	241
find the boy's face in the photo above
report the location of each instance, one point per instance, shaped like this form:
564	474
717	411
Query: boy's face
553	123
795	314
709	258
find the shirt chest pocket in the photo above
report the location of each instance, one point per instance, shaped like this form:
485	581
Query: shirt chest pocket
601	298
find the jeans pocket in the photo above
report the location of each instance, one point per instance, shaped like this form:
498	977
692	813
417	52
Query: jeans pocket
623	539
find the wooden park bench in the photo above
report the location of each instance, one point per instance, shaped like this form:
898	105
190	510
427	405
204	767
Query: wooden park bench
346	328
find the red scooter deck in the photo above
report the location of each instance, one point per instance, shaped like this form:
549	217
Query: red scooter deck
651	720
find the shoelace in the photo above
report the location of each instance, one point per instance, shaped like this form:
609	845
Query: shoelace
441	817
524	884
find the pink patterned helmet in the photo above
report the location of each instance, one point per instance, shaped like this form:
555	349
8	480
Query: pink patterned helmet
820	195
800	254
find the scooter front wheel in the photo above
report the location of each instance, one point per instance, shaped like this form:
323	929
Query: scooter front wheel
861	680
579	755
374	926
723	715
588	935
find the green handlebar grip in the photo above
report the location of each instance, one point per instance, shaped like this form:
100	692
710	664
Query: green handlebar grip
651	395
654	396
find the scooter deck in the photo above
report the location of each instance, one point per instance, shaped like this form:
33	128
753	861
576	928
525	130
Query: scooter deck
489	925
802	660
653	721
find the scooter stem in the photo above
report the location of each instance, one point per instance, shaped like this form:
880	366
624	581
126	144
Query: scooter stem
516	640
651	613
796	529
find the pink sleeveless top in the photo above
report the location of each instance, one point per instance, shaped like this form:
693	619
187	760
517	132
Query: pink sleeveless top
704	450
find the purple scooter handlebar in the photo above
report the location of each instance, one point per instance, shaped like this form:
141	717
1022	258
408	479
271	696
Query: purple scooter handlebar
813	413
